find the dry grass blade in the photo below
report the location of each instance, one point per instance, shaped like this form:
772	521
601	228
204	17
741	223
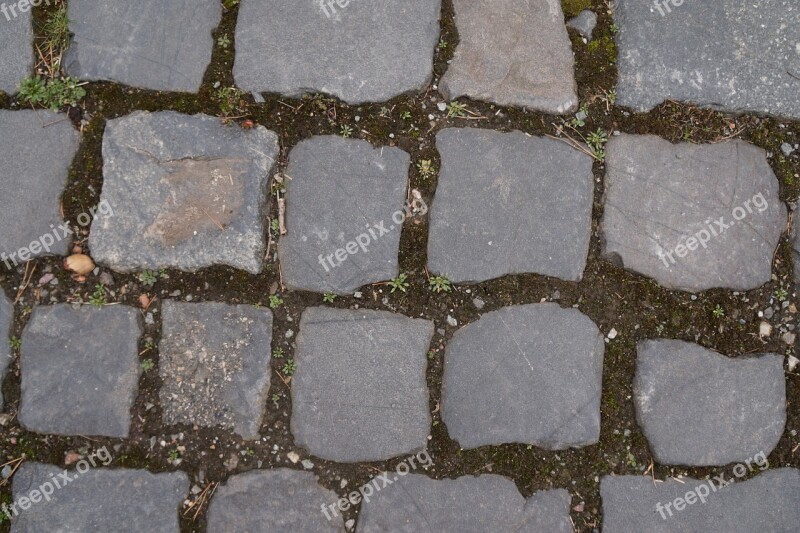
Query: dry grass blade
26	280
201	501
16	464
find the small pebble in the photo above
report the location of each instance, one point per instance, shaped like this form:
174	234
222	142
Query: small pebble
452	321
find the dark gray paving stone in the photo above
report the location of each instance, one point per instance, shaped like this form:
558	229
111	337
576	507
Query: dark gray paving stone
362	52
513	52
165	46
284	500
693	217
99	499
339	191
507	203
16	48
584	23
736	56
359	392
173	182
530	374
31	182
768	502
6	316
214	363
80	370
698	407
485	503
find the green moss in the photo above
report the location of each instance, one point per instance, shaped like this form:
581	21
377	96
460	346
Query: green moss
573	7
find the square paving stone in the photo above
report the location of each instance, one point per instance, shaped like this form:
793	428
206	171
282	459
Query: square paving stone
354	50
165	46
344	214
484	503
725	54
80	370
513	52
31	183
285	500
508	203
214	363
693	217
98	500
529	374
187	192
359	392
16	48
700	408
6	316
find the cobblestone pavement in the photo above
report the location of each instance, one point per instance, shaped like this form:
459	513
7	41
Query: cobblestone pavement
433	265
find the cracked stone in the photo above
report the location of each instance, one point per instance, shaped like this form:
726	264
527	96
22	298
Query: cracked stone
6	356
698	407
508	203
528	374
187	192
359	392
214	363
513	52
693	217
584	23
16	52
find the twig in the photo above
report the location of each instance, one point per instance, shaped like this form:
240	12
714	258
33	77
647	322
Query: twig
282	215
26	280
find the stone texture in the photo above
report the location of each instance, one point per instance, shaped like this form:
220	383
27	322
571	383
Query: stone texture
286	500
736	56
584	23
165	46
187	193
661	197
32	180
359	392
340	189
768	502
6	316
513	52
486	503
363	52
16	50
100	500
80	370
698	407
528	374
507	203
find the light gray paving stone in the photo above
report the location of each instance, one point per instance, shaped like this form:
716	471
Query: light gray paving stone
6	316
214	363
16	47
359	392
80	369
485	503
339	191
584	23
507	203
279	500
357	51
693	217
165	46
31	183
513	52
698	407
768	502
187	192
99	499
736	56
527	374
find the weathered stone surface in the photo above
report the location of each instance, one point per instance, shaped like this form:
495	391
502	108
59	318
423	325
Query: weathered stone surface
282	499
165	46
6	315
485	503
187	193
768	502
16	50
584	23
737	56
340	189
32	180
662	199
513	52
80	370
363	52
507	203
359	391
698	407
529	374
119	500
